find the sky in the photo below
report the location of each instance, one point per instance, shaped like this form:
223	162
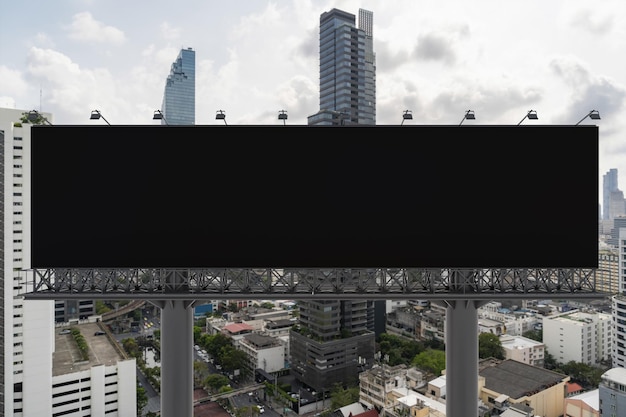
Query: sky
561	58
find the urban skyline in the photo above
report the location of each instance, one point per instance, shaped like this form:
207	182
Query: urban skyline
183	49
257	58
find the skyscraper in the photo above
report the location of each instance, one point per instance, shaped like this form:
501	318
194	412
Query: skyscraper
335	339
179	98
609	185
40	373
27	326
332	343
347	70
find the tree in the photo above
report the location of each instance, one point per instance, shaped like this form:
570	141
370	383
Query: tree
548	361
33	118
197	332
131	347
101	307
431	360
340	396
399	350
534	334
200	369
215	381
214	343
247	411
490	346
232	359
586	375
142	399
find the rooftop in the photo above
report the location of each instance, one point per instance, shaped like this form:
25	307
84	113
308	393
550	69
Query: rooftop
261	341
616	375
518	342
235	328
517	379
66	357
591	398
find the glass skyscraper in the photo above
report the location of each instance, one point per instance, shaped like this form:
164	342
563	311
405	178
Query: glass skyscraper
347	70
179	98
609	185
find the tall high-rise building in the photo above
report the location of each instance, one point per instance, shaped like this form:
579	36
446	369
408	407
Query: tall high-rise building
179	98
27	326
38	375
332	343
347	70
335	339
609	185
619	305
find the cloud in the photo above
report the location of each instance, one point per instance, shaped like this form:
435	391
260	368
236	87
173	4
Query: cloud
84	28
73	91
169	32
387	58
593	22
7	102
588	92
439	45
434	47
43	40
13	84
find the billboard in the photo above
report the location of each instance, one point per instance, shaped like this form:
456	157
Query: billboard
296	196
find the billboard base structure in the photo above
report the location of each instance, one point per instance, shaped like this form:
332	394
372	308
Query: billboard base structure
306	283
176	290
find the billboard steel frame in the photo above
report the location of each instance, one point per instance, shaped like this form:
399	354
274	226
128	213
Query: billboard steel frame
273	283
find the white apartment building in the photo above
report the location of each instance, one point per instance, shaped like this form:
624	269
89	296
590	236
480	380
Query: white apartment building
28	339
578	336
279	329
104	385
264	352
29	383
619	307
98	391
523	349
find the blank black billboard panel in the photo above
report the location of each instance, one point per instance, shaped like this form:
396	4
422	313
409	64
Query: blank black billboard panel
314	197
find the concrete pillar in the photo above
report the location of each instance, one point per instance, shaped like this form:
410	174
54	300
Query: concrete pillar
461	358
176	358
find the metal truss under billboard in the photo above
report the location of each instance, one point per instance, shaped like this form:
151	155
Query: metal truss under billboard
208	284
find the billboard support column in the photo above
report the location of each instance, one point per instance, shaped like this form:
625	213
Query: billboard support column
176	355
461	348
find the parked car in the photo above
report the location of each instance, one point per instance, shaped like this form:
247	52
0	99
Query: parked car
99	333
65	331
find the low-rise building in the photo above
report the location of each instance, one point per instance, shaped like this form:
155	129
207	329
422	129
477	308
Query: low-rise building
491	326
523	349
376	383
585	404
510	382
407	402
264	352
105	383
612	393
